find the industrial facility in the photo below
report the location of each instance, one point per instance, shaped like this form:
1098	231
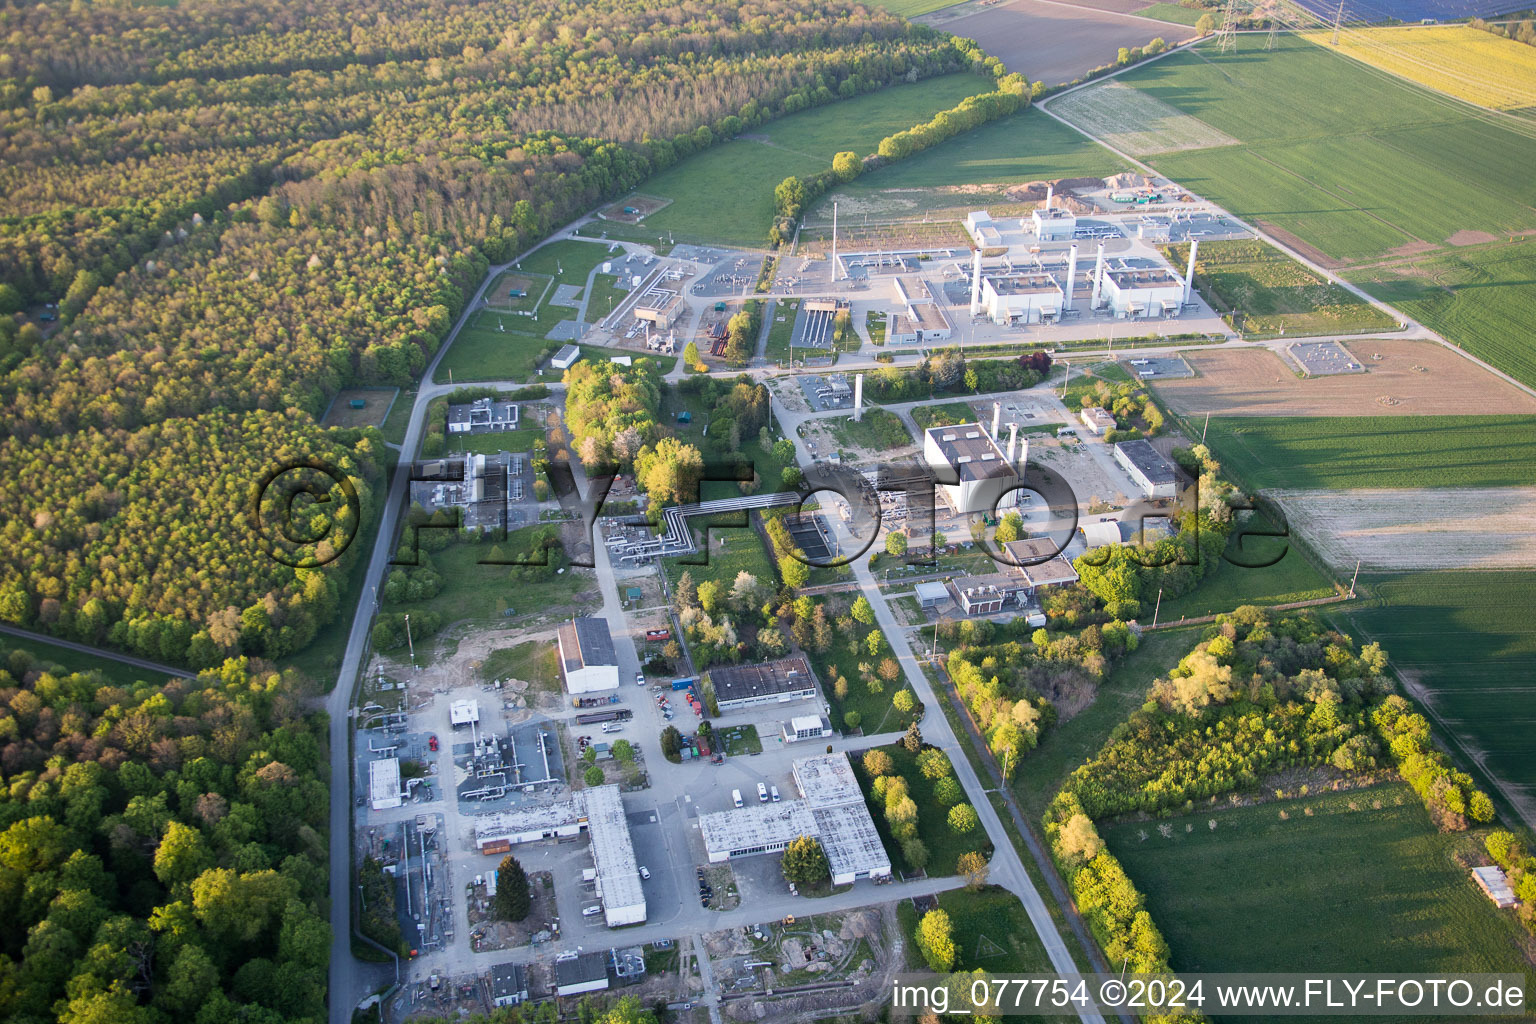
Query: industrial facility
773	682
984	476
831	809
587	659
1155	475
482	416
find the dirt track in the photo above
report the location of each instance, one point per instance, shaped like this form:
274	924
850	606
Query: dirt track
1401	529
1412	378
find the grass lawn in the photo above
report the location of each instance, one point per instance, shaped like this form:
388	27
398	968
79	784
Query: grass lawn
482	350
478	593
1480	298
913	8
62	660
993	932
780	333
1174	13
1292	578
1263	292
1357	881
1040	774
399	419
1330	169
725	194
568	261
1467	640
731	550
878	431
740	740
608	293
532	662
1375	451
945	845
874	326
946	414
519	440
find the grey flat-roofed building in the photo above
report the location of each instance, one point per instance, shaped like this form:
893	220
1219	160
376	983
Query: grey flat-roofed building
482	416
587	658
805	727
971	454
772	682
566	357
1040	563
613	854
509	984
584	972
1155	475
931	595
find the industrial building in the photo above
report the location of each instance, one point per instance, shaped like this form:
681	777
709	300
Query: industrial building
1021	297
576	973
384	789
463	712
1039	563
931	594
971	456
979	225
1098	420
805	727
660	307
1142	292
599	812
488	490
482	416
1154	474
983	595
509	984
1031	566
772	682
831	808
566	357
587	659
919	315
1053	224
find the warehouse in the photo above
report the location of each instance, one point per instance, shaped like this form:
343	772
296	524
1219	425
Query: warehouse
805	727
1030	297
384	783
482	416
831	809
509	984
496	833
618	875
968	454
566	357
1142	292
576	973
773	682
587	659
1154	474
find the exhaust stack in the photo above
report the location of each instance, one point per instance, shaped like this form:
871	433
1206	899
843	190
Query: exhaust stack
1098	278
1066	292
1189	275
997	418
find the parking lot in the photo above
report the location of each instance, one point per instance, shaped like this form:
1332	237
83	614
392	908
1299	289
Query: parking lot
1159	367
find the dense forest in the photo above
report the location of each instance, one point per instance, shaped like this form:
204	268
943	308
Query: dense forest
240	208
162	848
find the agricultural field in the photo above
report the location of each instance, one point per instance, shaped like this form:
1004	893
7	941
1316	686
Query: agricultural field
1413	528
1175	13
1136	122
1480	298
1052	42
1464	62
1351	452
1353	881
1465	645
725	194
976	167
1262	292
1410	378
1327	171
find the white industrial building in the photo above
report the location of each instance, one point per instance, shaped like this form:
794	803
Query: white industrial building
772	682
1021	297
1098	420
984	472
482	416
463	712
805	727
599	812
1154	474
919	315
1142	292
930	594
618	875
588	662
384	784
576	973
566	357
979	225
831	808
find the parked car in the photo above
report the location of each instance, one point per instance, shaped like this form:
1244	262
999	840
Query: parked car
589	911
639	678
645	872
431	742
774	792
762	793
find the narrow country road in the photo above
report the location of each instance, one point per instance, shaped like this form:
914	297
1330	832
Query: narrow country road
98	652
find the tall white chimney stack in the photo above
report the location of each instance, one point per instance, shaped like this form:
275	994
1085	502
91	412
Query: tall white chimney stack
1189	275
1050	195
997	418
976	283
834	241
1013	441
1066	291
1098	278
858	397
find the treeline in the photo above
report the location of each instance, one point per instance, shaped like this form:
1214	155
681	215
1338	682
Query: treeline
1011	94
1522	31
1520	868
947	371
243	209
162	848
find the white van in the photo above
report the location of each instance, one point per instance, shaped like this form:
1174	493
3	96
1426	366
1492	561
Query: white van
762	793
736	796
774	790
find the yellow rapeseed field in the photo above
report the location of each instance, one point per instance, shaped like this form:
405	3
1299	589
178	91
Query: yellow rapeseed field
1464	62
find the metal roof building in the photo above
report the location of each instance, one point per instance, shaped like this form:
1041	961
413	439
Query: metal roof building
1154	474
528	824
576	973
618	875
931	594
587	658
1040	563
971	454
772	682
566	357
509	984
384	783
831	809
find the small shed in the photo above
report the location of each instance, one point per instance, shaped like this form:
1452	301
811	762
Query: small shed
358	403
685	417
931	595
633	594
1495	884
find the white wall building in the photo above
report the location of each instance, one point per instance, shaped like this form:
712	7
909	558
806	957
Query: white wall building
1142	292
1027	297
979	225
1154	474
772	682
588	662
384	784
566	357
1097	420
805	727
1053	224
618	875
969	453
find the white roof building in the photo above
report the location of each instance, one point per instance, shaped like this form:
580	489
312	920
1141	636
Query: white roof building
1027	297
979	225
831	809
498	830
618	875
384	784
464	712
983	472
805	727
1053	224
1143	292
1098	420
1495	884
